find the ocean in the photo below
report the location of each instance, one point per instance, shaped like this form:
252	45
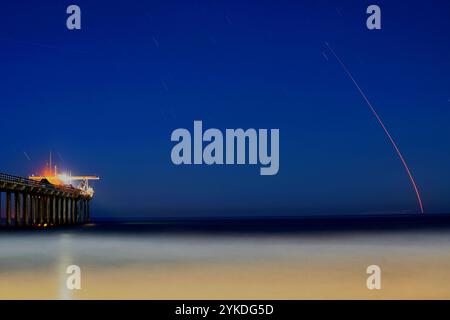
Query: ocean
227	259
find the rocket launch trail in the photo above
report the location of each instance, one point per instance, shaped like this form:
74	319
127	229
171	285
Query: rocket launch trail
394	144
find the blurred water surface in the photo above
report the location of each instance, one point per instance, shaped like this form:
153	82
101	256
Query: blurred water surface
173	265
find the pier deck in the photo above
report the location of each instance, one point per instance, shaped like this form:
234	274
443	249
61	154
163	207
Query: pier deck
31	203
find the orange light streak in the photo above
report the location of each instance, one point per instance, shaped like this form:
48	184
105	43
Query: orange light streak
411	178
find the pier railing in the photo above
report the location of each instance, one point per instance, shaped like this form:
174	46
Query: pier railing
11	178
32	183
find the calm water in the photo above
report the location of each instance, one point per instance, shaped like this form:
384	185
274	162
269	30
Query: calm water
129	261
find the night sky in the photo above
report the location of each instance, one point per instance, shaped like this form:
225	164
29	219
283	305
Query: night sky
105	100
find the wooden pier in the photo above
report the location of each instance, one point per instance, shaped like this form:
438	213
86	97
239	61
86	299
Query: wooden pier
28	203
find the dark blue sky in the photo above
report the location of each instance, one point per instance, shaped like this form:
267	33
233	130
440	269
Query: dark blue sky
107	97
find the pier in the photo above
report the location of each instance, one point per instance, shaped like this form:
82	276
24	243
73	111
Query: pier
29	203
